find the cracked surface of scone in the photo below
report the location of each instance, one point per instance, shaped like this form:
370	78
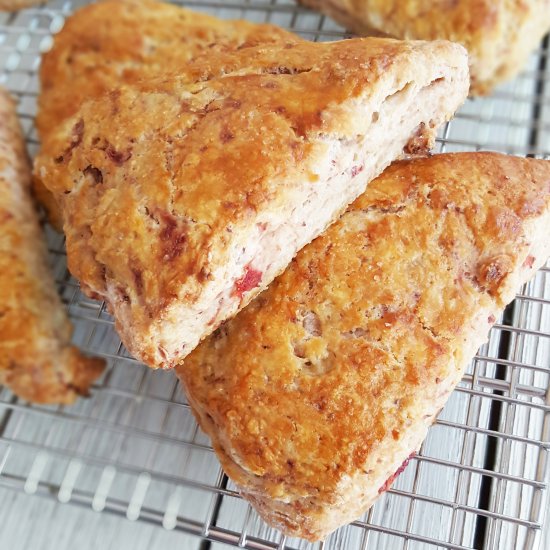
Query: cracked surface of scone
182	201
498	34
317	392
114	42
37	360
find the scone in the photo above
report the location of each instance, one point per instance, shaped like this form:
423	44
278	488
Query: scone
498	34
183	198
37	360
14	5
321	388
115	42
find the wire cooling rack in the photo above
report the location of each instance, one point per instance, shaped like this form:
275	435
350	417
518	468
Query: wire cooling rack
133	449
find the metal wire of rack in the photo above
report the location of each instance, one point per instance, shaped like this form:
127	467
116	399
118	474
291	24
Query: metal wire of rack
133	449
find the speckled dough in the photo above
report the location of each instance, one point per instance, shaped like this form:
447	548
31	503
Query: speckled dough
499	34
37	360
114	42
184	197
317	392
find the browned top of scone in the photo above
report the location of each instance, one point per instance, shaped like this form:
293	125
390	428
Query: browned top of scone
113	42
345	348
435	18
37	360
490	29
154	178
14	5
462	20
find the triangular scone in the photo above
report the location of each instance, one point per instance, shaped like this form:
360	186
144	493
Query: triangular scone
37	360
498	34
114	42
14	5
182	201
317	392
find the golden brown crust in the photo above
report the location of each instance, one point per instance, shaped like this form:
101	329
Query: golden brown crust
37	360
115	42
319	389
159	201
14	5
498	34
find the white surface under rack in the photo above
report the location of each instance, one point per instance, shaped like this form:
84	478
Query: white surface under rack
128	468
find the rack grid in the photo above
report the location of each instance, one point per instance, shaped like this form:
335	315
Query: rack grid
133	448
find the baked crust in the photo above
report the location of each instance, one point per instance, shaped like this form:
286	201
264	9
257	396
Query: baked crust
317	392
498	34
14	5
201	188
37	361
115	42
